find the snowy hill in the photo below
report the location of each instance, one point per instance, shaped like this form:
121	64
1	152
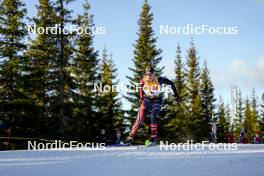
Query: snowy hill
130	161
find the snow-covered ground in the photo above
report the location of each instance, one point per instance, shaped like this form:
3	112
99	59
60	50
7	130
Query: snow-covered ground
248	160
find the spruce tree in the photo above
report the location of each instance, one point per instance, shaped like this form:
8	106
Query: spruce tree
248	121
180	79
86	74
194	99
196	121
254	112
228	118
207	98
41	53
62	85
180	83
251	116
193	74
145	53
222	124
110	112
13	100
175	123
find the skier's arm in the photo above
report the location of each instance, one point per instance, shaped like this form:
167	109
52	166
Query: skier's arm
166	81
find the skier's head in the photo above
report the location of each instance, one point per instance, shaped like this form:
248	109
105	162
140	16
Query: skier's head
149	70
149	73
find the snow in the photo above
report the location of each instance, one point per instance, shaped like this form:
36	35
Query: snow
247	160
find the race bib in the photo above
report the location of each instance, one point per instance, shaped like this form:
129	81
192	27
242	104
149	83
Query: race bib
152	88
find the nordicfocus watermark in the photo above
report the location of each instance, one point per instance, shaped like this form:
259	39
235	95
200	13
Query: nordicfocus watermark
191	29
70	29
124	87
203	146
59	145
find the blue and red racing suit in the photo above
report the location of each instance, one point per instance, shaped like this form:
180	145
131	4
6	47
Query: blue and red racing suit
151	99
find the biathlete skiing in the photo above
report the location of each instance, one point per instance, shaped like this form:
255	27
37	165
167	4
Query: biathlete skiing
150	102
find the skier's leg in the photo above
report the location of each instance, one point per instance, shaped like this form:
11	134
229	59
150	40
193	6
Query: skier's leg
156	106
139	120
145	106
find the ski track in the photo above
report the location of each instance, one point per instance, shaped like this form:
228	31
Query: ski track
131	161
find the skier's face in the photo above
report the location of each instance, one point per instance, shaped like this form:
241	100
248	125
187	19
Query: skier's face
149	76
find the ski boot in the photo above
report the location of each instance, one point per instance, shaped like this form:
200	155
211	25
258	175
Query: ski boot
151	142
